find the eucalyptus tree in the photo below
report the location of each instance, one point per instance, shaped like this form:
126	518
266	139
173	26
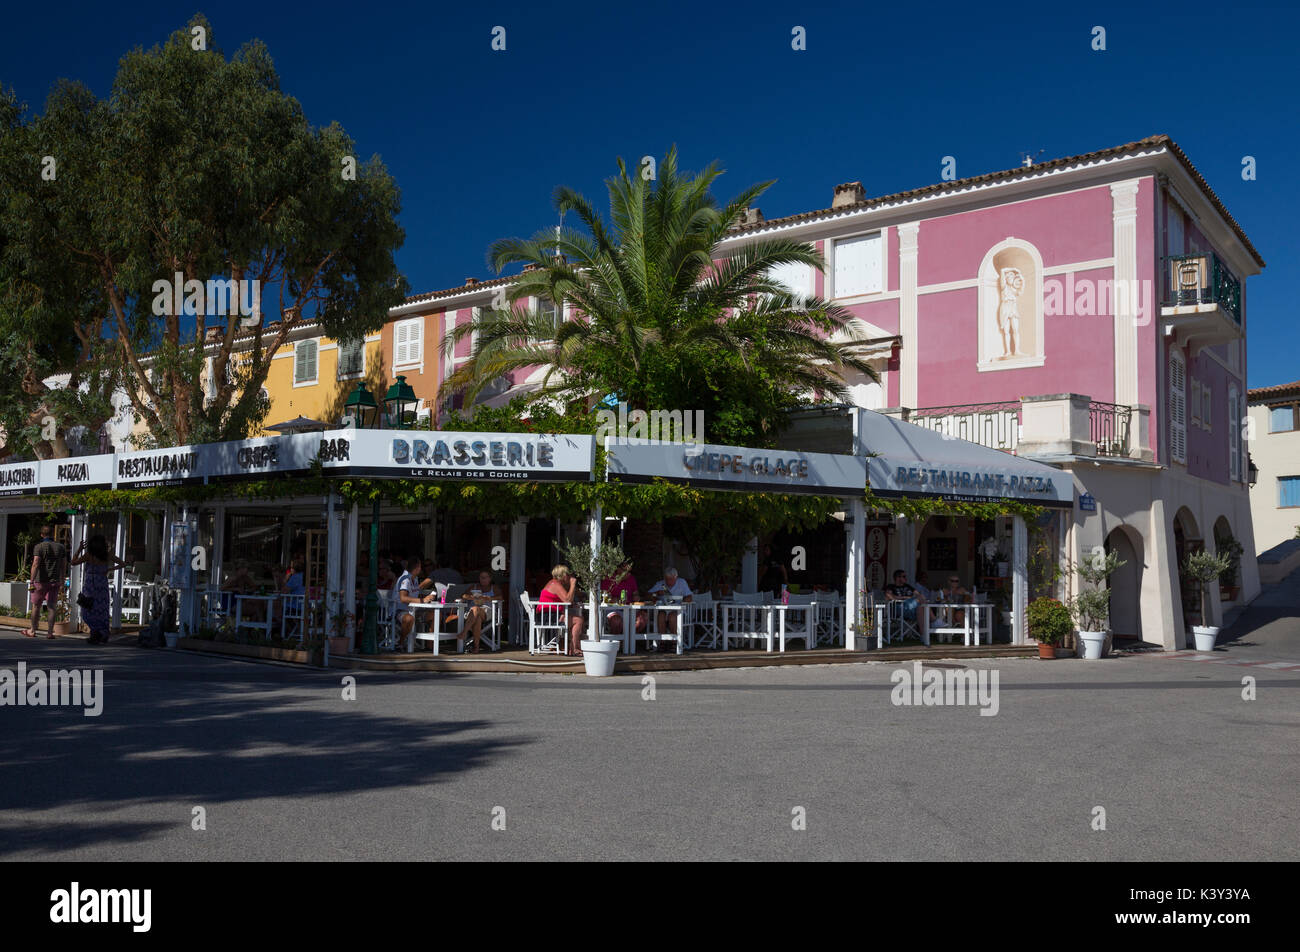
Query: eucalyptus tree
665	316
197	174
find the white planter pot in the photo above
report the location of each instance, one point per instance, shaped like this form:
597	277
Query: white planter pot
599	656
1205	637
1094	644
171	637
15	595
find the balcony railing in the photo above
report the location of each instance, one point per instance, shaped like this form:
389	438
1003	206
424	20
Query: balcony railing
1109	424
995	425
1050	426
1202	279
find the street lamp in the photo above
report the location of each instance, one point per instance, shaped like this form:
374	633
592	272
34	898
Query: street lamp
362	405
1252	471
398	402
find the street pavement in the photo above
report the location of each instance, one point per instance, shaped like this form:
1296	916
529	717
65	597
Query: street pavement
723	764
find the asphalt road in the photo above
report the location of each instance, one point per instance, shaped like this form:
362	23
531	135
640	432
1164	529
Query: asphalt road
714	767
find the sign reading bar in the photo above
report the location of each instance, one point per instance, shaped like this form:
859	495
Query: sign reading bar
18	479
1039	485
407	454
739	468
76	473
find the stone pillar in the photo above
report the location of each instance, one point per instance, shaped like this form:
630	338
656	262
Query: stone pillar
1124	224
77	523
909	359
349	555
596	526
1019	580
119	550
856	551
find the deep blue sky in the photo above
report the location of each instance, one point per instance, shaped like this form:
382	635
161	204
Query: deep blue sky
478	139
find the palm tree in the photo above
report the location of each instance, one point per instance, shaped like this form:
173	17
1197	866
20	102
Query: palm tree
659	304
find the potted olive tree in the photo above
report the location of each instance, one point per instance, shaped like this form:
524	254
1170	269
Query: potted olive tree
1205	567
591	567
1091	607
1049	622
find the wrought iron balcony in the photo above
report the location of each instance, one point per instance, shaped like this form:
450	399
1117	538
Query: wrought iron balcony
1109	424
1202	279
995	425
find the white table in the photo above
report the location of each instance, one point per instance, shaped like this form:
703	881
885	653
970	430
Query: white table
657	628
268	603
435	633
974	617
767	622
628	614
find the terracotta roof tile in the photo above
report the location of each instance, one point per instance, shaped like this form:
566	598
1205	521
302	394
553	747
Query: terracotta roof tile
1260	394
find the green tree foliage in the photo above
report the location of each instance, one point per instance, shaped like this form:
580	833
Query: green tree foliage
201	165
666	318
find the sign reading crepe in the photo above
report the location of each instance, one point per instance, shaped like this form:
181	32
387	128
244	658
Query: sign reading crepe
737	467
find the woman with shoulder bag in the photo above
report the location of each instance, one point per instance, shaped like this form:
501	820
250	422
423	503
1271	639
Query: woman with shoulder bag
94	555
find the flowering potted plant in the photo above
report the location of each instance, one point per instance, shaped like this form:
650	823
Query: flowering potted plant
1049	622
1205	567
62	617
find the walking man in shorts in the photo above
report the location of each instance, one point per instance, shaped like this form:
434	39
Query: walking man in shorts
49	567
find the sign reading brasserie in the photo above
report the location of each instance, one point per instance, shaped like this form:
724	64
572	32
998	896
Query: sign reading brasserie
18	479
450	455
738	468
969	484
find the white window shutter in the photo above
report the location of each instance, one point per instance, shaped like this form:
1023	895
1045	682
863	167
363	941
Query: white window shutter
1177	409
407	338
858	266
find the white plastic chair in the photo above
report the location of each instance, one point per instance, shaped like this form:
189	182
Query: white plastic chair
830	618
744	618
704	615
548	626
293	608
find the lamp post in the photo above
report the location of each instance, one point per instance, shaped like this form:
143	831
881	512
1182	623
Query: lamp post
358	403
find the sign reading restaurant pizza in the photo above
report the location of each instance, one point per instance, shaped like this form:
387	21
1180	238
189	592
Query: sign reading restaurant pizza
172	466
1041	486
77	473
737	467
18	479
414	454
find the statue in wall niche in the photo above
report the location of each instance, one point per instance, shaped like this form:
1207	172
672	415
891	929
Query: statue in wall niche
1010	285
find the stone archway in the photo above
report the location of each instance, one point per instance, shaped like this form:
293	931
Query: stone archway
1187	539
1126	583
1225	543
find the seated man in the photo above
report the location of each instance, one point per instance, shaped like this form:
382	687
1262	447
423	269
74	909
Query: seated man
670	585
953	594
901	591
408	592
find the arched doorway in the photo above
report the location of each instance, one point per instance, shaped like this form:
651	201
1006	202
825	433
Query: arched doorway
1187	539
1226	544
1126	583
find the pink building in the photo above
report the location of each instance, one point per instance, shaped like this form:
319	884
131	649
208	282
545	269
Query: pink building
1088	312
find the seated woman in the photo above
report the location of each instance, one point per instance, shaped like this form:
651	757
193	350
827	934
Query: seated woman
477	615
561	590
952	594
624	590
386	577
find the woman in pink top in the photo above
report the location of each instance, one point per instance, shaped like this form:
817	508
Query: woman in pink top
560	590
612	591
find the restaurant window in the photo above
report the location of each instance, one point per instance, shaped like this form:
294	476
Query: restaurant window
859	266
256	539
1288	491
304	362
1281	419
408	342
352	359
